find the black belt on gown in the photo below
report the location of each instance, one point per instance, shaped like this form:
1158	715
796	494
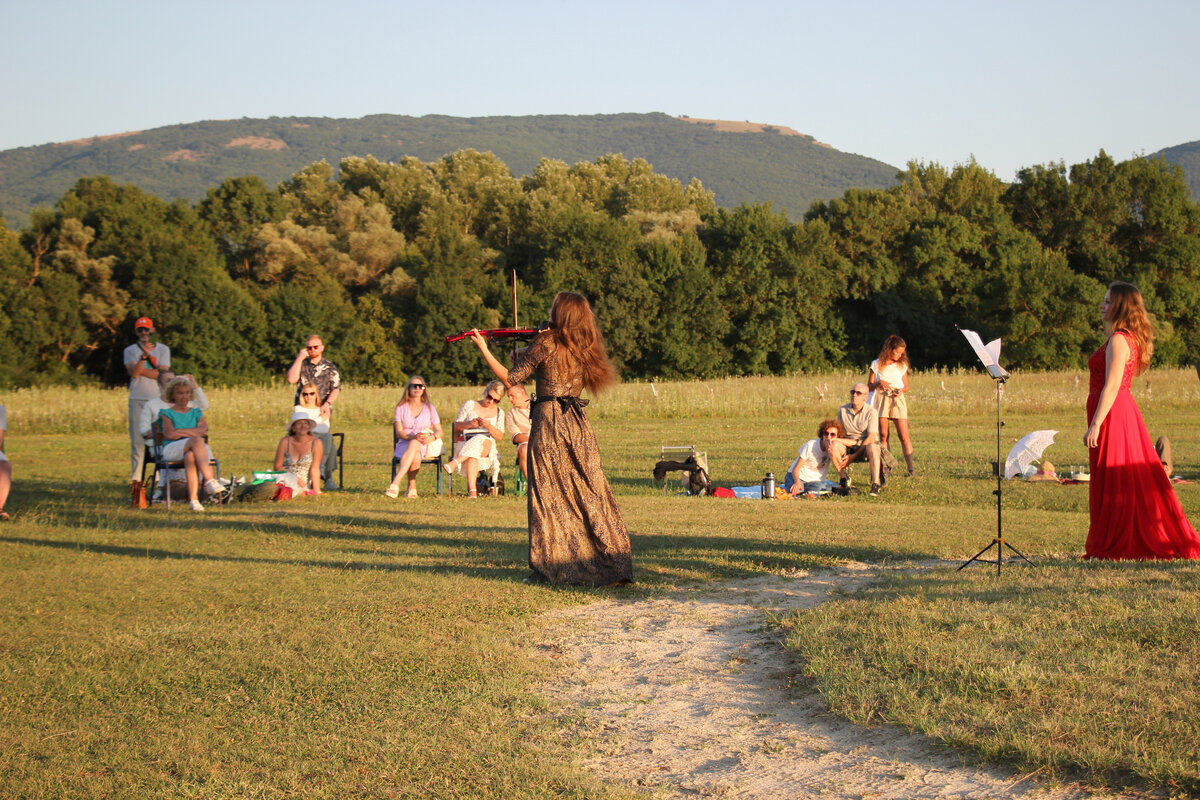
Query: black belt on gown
565	402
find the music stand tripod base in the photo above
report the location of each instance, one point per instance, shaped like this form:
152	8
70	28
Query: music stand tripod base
998	542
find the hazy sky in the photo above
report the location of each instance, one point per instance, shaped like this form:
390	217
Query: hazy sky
1011	83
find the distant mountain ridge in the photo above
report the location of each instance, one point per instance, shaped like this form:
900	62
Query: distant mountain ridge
738	161
1186	156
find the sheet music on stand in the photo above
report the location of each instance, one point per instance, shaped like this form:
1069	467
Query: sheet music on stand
989	354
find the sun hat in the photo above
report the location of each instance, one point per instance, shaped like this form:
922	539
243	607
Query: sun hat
296	417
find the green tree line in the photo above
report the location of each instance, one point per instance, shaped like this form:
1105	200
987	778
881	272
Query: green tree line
385	259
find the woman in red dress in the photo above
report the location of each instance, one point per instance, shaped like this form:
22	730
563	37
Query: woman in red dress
1134	511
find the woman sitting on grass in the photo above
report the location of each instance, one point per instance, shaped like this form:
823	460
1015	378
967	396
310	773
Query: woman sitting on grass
300	453
183	432
807	473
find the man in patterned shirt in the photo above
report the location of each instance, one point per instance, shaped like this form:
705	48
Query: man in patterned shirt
311	367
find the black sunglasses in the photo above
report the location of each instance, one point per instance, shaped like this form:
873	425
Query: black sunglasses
416	386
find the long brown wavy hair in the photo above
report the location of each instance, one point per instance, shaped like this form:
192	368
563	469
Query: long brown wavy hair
573	328
1127	312
889	347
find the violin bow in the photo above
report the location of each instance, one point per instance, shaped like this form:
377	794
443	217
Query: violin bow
521	334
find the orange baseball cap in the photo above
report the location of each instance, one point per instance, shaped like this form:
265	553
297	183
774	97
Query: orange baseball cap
143	322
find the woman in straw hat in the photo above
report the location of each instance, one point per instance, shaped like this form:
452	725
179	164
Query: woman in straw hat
300	453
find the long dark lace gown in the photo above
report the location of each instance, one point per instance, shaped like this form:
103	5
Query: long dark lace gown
576	534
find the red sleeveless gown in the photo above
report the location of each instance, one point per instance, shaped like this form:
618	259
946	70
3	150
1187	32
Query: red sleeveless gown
1134	511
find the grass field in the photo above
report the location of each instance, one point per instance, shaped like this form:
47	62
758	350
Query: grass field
356	646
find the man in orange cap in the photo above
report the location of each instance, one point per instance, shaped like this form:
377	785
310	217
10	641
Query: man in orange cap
143	360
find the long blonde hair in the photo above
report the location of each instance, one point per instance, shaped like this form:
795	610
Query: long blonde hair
581	345
1127	313
300	395
408	391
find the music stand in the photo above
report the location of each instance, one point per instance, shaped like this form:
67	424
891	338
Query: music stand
989	356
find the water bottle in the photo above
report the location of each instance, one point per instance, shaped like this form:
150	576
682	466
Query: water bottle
768	486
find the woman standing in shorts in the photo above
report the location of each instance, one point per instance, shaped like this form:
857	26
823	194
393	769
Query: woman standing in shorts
888	382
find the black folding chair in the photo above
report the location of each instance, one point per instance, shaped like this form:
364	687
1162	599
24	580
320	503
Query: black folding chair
161	464
435	460
341	442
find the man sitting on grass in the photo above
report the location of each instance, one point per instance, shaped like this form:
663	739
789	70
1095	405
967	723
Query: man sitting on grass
861	441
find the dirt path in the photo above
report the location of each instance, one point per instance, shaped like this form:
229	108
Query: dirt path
687	695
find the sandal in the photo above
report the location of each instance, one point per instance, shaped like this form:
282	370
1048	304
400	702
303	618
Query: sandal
392	491
448	467
411	495
4	517
472	494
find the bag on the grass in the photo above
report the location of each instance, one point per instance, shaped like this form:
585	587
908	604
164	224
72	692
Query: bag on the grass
255	492
138	495
434	448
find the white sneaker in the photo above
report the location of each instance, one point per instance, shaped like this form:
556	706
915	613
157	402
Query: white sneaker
196	506
214	487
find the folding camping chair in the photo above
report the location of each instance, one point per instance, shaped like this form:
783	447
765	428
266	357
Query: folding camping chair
161	464
681	453
435	460
462	437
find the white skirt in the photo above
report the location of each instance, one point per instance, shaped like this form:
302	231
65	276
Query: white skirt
472	448
174	449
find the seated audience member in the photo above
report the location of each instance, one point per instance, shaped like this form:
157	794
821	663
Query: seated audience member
808	471
299	452
860	421
153	407
150	413
308	405
516	419
311	367
479	451
183	432
417	424
5	467
1162	446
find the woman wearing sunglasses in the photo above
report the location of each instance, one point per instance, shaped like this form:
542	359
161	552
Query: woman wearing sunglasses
478	451
310	406
417	426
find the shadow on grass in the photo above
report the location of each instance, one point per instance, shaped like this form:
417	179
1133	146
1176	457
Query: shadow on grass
134	551
483	550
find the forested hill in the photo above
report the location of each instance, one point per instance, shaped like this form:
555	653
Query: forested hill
1187	156
738	162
